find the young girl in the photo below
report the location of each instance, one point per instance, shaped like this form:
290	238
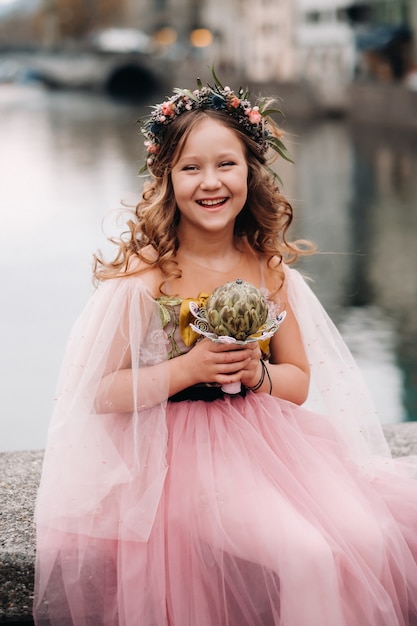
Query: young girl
165	500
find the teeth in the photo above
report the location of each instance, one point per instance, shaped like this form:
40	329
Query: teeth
211	202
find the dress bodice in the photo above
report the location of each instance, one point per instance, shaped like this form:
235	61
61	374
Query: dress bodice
175	318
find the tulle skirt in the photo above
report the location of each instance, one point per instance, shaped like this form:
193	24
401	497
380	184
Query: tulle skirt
264	520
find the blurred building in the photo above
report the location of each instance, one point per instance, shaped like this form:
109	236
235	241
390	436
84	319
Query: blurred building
172	20
386	40
325	44
326	49
255	38
55	23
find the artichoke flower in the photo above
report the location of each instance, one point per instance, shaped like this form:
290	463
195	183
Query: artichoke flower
236	309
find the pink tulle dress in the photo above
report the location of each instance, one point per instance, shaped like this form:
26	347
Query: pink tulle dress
238	511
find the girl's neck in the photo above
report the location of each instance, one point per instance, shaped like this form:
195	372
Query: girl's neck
221	261
203	272
219	256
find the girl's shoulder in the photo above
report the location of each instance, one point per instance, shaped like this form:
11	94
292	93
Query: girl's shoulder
274	272
144	268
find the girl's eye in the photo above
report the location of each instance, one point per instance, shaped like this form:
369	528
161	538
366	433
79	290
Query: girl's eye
189	168
226	164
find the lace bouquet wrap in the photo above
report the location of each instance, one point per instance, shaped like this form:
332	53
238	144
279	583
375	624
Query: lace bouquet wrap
236	312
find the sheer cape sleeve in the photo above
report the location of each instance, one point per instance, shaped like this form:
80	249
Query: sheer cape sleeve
337	387
94	463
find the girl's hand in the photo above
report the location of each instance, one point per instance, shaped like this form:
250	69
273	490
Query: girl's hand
221	363
251	374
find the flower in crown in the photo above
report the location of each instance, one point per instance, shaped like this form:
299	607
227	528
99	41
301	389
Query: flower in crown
253	119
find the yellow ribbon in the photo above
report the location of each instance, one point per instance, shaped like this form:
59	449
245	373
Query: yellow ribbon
188	335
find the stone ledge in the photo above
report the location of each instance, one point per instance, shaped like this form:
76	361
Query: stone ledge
20	473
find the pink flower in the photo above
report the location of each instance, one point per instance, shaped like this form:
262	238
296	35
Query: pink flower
234	102
254	116
151	148
168	109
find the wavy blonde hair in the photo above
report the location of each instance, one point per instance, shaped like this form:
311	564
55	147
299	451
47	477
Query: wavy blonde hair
263	221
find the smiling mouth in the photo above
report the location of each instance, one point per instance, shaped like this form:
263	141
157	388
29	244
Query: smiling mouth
212	203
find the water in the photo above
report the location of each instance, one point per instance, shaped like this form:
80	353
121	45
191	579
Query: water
67	161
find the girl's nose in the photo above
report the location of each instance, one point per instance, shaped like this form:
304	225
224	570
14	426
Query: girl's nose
210	179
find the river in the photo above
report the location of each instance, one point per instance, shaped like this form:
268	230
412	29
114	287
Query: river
67	162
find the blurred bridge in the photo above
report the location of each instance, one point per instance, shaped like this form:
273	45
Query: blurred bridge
121	75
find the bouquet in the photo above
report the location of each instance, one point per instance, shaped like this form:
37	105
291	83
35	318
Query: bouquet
236	312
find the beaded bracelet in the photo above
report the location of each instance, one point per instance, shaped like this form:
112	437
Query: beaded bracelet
269	377
262	378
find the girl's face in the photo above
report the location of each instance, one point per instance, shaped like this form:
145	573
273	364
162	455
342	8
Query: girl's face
210	178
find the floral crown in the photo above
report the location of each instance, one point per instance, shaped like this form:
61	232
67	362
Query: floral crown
253	119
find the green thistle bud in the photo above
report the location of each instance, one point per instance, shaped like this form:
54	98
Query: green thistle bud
236	309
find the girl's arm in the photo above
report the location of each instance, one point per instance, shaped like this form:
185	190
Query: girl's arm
288	372
125	389
210	362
